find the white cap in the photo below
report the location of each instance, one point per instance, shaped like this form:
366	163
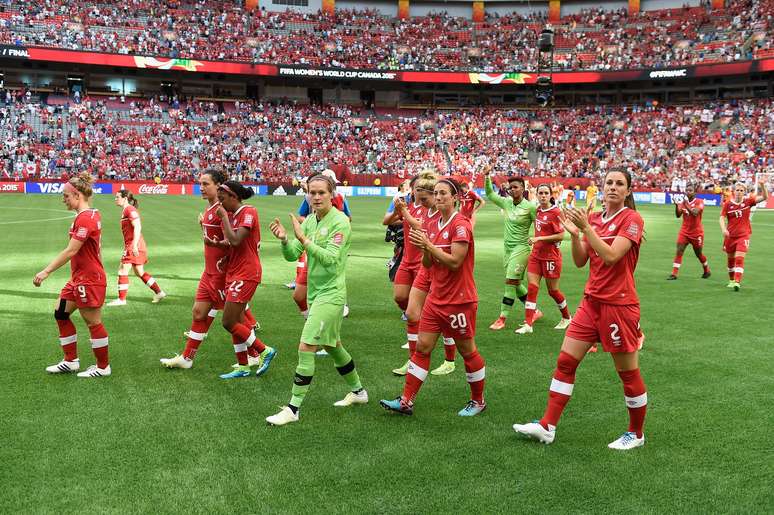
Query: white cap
331	174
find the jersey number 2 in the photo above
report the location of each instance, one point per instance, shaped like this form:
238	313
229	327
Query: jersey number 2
614	334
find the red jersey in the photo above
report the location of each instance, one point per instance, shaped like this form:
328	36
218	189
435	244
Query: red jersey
468	203
547	223
129	215
692	226
243	262
738	216
86	264
431	220
615	284
449	286
212	228
412	255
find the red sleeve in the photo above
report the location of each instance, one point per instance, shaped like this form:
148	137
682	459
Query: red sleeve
132	213
724	209
462	232
82	228
557	224
700	205
247	218
631	228
751	200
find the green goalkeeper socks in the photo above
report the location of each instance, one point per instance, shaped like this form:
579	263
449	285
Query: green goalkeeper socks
509	297
346	367
302	379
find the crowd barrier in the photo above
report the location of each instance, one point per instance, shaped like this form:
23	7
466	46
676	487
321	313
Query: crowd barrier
152	188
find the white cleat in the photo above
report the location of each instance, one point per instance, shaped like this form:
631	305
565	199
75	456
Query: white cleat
524	329
536	431
405	346
322	352
285	416
64	367
178	361
627	442
116	302
563	323
158	296
95	371
187	334
346	310
252	361
351	398
291	285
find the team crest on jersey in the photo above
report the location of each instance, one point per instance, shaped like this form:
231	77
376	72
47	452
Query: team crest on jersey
612	228
324	231
545	218
445	234
209	217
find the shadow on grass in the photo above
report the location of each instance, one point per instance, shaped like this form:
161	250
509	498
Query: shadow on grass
30	294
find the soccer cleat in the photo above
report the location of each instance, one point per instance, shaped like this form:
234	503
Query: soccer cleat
241	371
593	348
730	284
322	352
402	371
627	442
404	317
472	408
178	361
706	275
285	416
524	329
291	285
116	302
536	431
640	341
563	323
95	371
405	346
187	334
672	277
498	324
158	296
346	310
257	326
265	360
447	367
252	361
64	367
736	286
351	398
398	405
538	316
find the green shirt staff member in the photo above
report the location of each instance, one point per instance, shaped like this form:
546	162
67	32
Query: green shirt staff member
519	216
325	236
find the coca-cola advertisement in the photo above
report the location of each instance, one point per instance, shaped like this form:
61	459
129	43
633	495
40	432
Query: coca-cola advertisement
11	187
151	188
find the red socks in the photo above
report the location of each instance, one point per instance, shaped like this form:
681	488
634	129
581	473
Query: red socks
302	305
475	372
704	263
412	335
560	391
195	337
150	282
256	346
403	305
99	344
123	286
68	339
676	264
417	373
731	266
449	349
531	304
738	269
636	399
561	302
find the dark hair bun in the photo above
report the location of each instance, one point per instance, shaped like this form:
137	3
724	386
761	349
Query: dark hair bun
218	176
240	191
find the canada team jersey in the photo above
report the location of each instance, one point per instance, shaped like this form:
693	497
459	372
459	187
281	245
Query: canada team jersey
86	264
450	286
431	220
547	223
692	226
468	203
212	228
738	216
412	255
615	284
129	215
243	262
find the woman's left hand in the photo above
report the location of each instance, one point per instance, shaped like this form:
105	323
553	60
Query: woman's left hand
419	238
578	217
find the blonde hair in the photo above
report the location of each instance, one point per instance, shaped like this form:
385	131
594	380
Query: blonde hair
426	180
82	182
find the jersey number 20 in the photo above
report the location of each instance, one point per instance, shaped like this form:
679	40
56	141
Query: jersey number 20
458	321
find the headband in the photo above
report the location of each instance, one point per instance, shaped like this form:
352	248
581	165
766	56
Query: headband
225	187
68	187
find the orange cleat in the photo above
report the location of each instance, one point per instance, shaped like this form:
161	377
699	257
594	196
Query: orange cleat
498	324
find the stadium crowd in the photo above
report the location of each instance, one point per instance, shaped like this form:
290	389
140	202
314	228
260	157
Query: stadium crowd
150	138
592	40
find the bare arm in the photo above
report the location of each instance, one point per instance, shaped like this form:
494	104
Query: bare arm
610	254
551	238
764	193
234	237
390	218
63	257
136	235
723	228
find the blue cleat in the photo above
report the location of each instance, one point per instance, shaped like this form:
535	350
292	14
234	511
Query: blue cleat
398	405
240	371
472	408
266	356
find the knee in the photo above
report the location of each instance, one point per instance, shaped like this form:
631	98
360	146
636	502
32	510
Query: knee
566	363
199	313
60	311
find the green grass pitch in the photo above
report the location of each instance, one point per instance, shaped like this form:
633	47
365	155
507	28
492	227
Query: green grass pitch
152	440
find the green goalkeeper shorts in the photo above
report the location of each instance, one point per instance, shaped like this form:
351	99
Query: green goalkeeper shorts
515	262
323	324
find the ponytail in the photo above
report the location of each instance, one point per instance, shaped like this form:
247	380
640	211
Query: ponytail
128	196
236	189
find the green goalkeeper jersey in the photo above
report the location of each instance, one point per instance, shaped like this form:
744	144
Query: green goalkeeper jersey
326	256
518	217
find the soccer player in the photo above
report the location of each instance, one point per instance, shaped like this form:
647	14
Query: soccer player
519	214
569	200
242	231
419	216
211	292
135	252
545	260
609	312
470	203
691	232
737	229
85	290
325	236
450	309
591	196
